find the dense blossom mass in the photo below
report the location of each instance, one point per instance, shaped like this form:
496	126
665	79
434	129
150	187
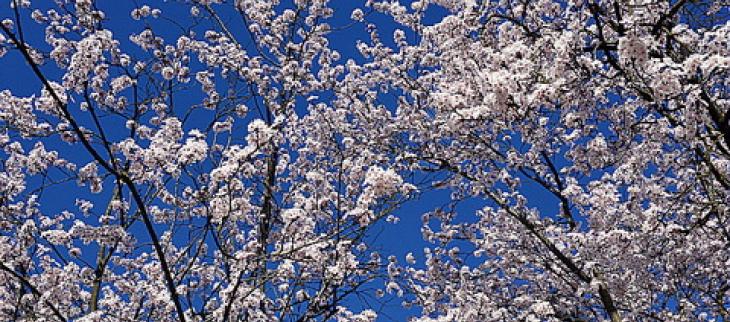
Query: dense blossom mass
210	160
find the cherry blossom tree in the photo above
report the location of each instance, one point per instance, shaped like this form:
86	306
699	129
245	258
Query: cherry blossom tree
212	160
594	133
207	194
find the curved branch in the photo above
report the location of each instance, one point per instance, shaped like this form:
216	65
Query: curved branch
33	289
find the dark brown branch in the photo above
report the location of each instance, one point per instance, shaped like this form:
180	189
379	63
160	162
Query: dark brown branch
564	203
33	289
